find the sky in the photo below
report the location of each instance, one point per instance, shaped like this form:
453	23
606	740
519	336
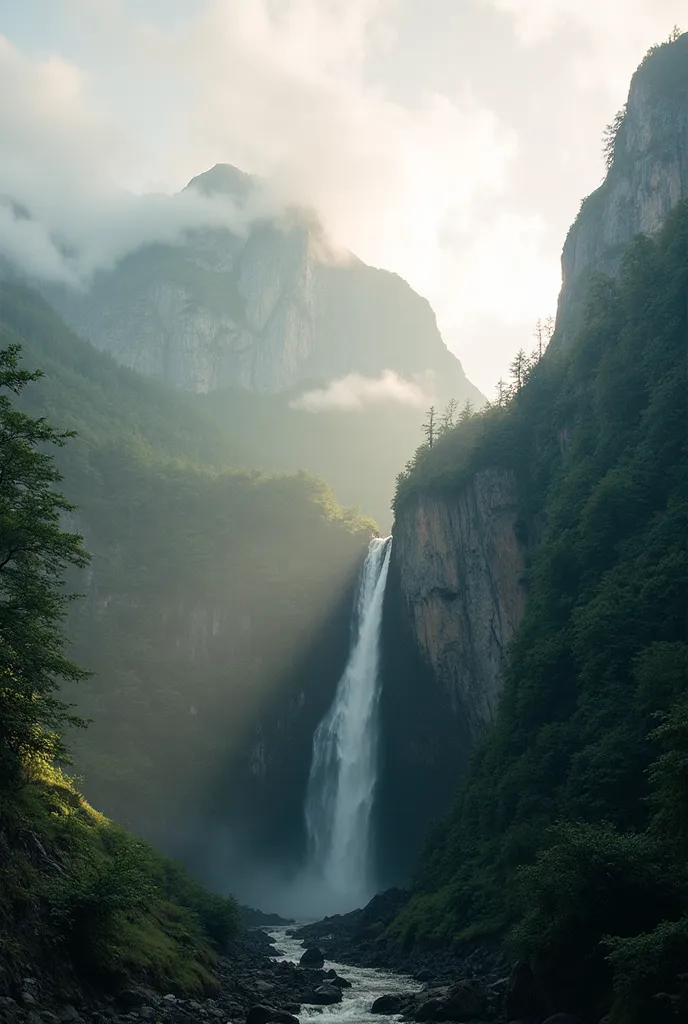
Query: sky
449	141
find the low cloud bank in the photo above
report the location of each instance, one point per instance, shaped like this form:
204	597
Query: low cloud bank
355	392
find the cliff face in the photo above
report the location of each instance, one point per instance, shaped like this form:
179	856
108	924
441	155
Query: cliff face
648	175
262	312
460	569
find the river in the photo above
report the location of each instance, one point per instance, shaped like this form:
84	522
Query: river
367	984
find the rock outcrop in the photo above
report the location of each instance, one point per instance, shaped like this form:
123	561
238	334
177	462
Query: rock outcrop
264	311
648	175
460	569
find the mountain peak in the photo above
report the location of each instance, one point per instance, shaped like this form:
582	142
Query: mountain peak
224	179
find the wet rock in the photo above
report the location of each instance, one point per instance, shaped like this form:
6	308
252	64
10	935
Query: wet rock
423	975
519	1000
389	1004
260	1014
340	982
28	999
170	999
313	957
562	1018
147	1013
49	1017
325	995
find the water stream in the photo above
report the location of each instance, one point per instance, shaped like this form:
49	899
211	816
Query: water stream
367	984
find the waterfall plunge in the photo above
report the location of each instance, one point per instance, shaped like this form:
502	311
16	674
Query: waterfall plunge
344	766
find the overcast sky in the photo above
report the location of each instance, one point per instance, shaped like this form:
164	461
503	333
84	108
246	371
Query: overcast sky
448	140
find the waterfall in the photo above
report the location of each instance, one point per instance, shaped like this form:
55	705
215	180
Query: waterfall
344	766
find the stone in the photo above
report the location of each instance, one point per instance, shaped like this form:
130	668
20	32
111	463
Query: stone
424	975
389	1004
313	957
520	999
169	998
68	1014
28	999
562	1018
325	995
260	1014
340	982
130	997
147	1013
49	1017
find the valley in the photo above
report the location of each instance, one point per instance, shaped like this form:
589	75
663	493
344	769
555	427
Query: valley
293	618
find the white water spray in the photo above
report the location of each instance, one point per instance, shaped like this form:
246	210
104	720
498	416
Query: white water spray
344	766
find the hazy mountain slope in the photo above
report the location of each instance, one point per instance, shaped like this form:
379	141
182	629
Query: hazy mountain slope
215	612
263	311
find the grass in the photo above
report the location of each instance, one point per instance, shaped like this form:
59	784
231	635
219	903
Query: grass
82	898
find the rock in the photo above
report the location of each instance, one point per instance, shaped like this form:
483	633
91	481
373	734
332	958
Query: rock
7	1003
170	998
325	995
50	1018
147	1013
260	1014
130	997
389	1004
68	1014
562	1018
424	975
28	999
313	957
340	982
33	1018
464	1001
520	1000
428	1010
264	986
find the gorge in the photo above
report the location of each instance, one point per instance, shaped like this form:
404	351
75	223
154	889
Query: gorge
483	714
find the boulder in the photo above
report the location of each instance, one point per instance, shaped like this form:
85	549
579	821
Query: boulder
519	999
260	1014
325	995
313	957
340	982
562	1018
422	976
389	1004
461	1002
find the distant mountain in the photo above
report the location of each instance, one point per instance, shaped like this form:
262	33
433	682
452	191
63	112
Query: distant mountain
264	311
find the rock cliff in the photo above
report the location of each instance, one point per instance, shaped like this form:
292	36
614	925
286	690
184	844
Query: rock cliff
647	177
262	311
460	570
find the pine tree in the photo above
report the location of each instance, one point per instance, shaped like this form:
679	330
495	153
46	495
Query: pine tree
430	428
34	553
448	416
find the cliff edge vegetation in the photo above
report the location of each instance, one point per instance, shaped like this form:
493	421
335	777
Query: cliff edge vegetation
570	830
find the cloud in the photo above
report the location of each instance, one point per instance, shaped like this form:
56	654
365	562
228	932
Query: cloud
280	90
355	392
612	35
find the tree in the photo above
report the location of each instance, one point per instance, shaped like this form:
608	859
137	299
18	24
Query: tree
467	412
34	554
519	370
448	416
610	136
430	428
502	392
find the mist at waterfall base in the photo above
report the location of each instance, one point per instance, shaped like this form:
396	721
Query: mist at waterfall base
338	875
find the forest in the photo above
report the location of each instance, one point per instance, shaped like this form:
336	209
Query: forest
569	832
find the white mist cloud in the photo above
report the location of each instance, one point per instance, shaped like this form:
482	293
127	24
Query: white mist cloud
355	392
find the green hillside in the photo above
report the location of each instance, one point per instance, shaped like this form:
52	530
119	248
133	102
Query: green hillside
570	829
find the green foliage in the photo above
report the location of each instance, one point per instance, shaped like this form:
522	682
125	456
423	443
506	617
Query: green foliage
34	554
81	894
598	442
